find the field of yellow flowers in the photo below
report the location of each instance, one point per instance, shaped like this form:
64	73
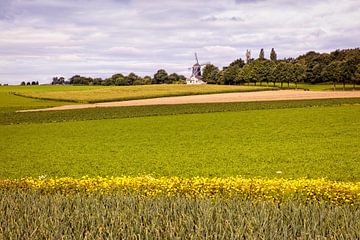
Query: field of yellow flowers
262	189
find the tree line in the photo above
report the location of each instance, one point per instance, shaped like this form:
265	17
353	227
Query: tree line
118	79
340	66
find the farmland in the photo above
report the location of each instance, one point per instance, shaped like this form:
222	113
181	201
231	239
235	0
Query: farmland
106	94
243	164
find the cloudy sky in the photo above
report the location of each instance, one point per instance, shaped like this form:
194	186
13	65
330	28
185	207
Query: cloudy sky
40	39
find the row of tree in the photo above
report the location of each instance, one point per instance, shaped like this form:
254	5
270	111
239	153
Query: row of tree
29	83
160	77
340	66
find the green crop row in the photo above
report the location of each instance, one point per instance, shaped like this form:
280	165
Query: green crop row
9	116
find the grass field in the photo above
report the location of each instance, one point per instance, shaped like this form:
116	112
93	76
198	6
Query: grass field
300	142
106	94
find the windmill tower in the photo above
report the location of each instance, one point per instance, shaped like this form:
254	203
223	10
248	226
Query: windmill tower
196	77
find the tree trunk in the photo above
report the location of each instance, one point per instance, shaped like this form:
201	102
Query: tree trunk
267	83
281	84
260	83
255	83
296	85
288	84
334	86
274	83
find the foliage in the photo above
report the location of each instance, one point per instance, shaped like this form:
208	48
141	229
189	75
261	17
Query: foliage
261	55
323	142
273	56
210	73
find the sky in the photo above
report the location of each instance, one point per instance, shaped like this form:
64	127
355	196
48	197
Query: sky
40	39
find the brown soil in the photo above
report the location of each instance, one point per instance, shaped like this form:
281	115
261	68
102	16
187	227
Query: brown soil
216	98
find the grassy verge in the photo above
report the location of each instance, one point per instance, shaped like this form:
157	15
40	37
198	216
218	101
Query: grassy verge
9	116
29	215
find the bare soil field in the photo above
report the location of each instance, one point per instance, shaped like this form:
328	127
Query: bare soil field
216	98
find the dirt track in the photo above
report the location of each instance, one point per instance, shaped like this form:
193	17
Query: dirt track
216	98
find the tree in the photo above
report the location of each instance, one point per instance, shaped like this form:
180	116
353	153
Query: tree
281	73
273	56
22	83
262	55
147	80
346	71
248	56
210	73
248	74
238	62
298	73
331	73
28	83
160	76
173	78
220	77
131	78
230	74
356	77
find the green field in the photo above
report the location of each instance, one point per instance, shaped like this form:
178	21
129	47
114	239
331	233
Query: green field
299	142
106	94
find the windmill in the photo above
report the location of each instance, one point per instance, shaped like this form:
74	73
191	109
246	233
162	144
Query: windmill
196	77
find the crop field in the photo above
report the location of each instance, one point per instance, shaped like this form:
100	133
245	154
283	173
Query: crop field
263	170
247	143
106	94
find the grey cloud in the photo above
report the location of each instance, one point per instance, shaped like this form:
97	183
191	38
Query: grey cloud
42	38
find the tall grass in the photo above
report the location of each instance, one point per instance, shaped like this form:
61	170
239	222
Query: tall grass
32	215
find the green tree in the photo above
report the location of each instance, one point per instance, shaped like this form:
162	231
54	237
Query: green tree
210	73
161	76
331	73
273	56
173	78
281	73
230	74
238	62
22	83
262	54
131	78
248	74
220	77
298	73
356	76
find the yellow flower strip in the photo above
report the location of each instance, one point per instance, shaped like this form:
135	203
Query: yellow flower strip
320	190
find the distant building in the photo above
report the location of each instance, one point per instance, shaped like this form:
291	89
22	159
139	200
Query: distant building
196	77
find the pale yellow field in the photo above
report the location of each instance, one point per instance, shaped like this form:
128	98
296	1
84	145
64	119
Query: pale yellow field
118	93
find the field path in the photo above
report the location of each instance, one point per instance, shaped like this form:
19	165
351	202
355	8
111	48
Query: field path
216	98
